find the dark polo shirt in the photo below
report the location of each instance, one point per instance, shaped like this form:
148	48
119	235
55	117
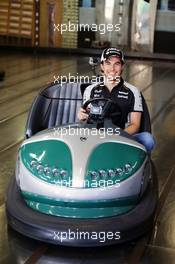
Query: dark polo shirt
125	96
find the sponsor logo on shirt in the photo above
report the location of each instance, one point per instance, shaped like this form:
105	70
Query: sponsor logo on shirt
122	96
125	93
96	95
98	91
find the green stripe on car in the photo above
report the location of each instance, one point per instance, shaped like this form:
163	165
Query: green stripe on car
112	163
48	160
80	209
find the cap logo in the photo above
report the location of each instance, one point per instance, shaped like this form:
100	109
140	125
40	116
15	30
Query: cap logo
111	52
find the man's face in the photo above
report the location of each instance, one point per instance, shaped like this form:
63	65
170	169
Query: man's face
112	68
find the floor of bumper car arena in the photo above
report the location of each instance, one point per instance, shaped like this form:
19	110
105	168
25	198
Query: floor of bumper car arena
25	76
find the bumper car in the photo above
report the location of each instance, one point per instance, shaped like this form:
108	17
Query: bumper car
80	184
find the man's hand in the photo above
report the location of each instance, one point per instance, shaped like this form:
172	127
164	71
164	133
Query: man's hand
82	114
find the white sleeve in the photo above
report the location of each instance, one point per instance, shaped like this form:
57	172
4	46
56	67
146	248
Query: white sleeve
137	104
87	92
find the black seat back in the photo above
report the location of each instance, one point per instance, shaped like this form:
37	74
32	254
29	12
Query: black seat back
56	105
145	125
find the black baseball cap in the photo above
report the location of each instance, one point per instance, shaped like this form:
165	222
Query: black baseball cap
112	52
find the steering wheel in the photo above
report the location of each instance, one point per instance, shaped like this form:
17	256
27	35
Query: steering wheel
100	112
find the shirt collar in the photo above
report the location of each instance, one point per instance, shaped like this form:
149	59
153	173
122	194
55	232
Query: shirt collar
120	84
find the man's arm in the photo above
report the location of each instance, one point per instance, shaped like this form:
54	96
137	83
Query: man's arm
135	120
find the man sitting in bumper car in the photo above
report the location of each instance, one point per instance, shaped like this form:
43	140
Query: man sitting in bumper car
125	97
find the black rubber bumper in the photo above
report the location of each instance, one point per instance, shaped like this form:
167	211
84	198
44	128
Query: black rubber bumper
78	232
